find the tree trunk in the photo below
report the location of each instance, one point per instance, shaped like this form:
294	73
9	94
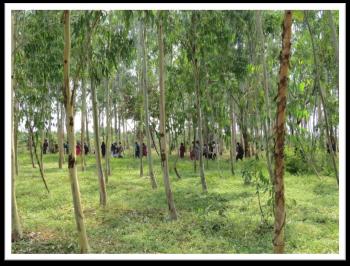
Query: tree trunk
266	122
115	121
145	102
87	129
198	102
59	134
39	161
334	39
280	213
30	140
83	115
72	167
233	136
98	154
163	148
108	134
16	120
318	84
16	229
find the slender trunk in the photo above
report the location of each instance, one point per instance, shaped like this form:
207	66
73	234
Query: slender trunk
195	62
87	129
16	229
193	150
31	148
83	114
59	135
98	154
16	120
233	136
115	121
145	102
72	167
280	213
318	84
163	148
108	134
334	39
119	131
266	123
42	139
39	161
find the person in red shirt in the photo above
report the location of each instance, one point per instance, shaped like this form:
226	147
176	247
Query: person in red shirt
144	149
77	149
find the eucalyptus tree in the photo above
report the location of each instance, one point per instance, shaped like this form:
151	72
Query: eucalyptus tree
16	231
144	85
163	147
69	105
280	213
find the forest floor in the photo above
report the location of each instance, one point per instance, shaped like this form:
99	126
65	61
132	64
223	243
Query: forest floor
225	220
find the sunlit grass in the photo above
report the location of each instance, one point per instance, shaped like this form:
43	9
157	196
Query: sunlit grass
226	220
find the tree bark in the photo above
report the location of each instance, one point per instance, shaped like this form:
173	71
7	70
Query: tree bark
16	120
30	140
145	102
87	129
233	136
59	135
39	160
266	122
163	148
83	115
334	39
198	102
98	154
16	228
72	167
280	213
108	133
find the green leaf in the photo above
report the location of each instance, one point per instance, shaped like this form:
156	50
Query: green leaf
298	15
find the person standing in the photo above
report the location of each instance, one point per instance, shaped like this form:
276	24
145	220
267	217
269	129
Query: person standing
182	150
240	152
45	146
103	149
144	149
137	150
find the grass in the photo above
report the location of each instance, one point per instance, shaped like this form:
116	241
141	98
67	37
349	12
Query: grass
225	220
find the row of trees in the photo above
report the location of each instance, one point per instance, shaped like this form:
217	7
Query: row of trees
214	74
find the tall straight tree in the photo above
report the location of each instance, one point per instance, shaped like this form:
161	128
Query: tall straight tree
83	115
233	135
266	122
280	213
162	133
194	19
17	232
145	102
72	166
59	134
108	133
98	155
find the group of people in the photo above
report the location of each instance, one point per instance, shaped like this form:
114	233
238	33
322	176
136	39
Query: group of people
209	151
116	149
137	150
